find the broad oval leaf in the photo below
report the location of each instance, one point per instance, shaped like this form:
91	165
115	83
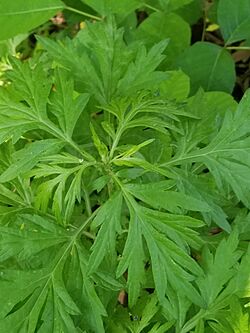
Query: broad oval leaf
209	66
234	20
21	16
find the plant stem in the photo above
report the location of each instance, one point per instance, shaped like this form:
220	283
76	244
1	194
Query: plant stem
80	230
193	321
116	141
151	7
80	12
238	48
89	235
204	26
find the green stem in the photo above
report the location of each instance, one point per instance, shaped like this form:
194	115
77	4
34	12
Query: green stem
85	224
238	48
116	141
74	238
204	26
120	184
80	12
193	321
151	7
88	234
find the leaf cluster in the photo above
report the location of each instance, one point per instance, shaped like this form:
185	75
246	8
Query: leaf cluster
124	196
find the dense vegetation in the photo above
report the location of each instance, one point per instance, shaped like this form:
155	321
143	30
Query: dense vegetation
124	166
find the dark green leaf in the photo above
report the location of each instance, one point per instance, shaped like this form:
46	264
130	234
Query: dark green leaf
234	21
209	66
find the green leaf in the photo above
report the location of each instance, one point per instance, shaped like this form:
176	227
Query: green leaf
100	146
132	259
34	235
136	148
19	17
159	26
233	163
64	186
210	108
64	105
9	47
218	268
9	197
218	286
37	290
181	83
234	21
109	219
209	66
105	7
143	111
116	70
29	156
160	231
227	155
159	195
204	190
43	298
32	86
191	12
149	311
134	78
24	116
171	5
99	75
109	209
80	284
170	263
238	318
179	228
240	283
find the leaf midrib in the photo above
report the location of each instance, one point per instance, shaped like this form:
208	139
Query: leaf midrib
228	42
198	155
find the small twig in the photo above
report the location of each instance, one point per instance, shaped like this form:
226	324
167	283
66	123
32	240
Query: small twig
204	26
